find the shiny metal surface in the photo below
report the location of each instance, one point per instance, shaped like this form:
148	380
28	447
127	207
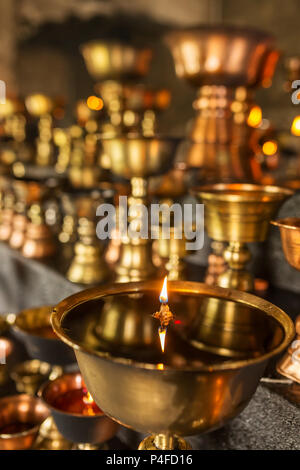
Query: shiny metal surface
109	60
78	428
239	214
222	55
32	327
22	409
193	391
136	156
290	239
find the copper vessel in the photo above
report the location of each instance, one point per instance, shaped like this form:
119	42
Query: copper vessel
22	410
181	392
289	228
82	429
226	63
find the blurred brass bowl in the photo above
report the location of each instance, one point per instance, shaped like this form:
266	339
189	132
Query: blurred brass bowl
95	429
290	239
32	326
240	212
29	375
136	156
38	104
21	409
223	55
112	60
184	396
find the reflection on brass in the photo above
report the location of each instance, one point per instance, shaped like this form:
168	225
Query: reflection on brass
239	214
88	265
289	364
49	438
172	250
186	390
164	442
226	63
290	239
40	106
216	263
138	158
21	411
86	430
29	375
289	228
108	60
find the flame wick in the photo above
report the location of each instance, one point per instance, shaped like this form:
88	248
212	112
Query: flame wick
162	336
164	292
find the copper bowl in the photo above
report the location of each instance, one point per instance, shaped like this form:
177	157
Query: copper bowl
222	55
25	410
78	428
290	239
32	326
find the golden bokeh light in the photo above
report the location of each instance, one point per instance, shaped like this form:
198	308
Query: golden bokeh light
255	117
270	147
94	103
295	129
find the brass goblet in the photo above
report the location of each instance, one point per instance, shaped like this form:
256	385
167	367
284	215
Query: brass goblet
184	390
113	60
138	158
239	214
225	63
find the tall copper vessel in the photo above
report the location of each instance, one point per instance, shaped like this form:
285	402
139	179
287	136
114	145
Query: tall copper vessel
226	64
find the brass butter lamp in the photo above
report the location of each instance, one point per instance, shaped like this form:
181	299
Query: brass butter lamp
225	63
239	214
182	391
138	158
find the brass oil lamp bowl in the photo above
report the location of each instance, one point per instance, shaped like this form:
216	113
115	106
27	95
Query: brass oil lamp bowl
75	413
289	228
138	158
225	63
239	214
32	326
20	419
118	68
187	389
113	60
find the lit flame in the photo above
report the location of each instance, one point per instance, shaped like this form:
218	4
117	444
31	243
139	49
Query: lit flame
88	399
255	117
164	292
270	147
162	336
295	129
160	366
